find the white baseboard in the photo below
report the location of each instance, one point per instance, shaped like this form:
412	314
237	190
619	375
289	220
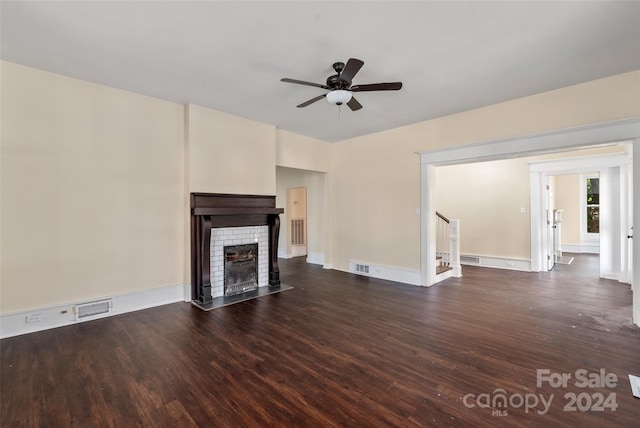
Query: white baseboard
389	273
498	262
315	258
612	275
298	251
14	324
444	275
581	248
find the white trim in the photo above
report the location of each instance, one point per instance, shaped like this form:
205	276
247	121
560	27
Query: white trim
447	274
626	211
611	275
389	273
315	258
534	144
282	254
636	239
581	164
498	262
14	324
590	248
298	251
584	235
536	218
427	225
454	263
539	173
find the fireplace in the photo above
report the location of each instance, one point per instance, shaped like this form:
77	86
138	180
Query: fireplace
240	269
219	221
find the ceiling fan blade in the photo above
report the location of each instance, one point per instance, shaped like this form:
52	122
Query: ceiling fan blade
302	82
311	101
393	86
354	104
350	69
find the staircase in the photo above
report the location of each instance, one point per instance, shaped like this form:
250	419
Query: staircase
447	248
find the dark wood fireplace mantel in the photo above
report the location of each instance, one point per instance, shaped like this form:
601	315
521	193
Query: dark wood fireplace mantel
213	210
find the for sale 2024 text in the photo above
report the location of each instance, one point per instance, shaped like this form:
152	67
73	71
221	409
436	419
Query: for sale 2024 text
582	378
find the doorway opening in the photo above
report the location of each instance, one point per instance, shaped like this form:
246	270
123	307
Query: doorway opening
536	144
574	222
594	196
305	223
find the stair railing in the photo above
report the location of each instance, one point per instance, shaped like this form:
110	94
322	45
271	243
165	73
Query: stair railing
448	244
443	243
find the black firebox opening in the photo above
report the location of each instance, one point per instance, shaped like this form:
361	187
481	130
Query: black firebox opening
240	269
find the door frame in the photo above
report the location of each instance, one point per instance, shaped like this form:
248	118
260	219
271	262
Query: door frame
540	171
549	223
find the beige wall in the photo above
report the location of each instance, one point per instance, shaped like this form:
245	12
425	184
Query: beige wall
298	151
92	188
96	182
229	154
375	193
375	178
487	198
568	200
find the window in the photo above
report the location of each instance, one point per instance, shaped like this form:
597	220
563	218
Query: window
593	205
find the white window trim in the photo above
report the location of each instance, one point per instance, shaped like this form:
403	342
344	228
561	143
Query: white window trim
586	237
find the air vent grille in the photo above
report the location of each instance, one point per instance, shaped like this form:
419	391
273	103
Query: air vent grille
297	231
470	260
362	268
92	309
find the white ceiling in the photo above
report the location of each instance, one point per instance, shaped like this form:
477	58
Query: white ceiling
230	56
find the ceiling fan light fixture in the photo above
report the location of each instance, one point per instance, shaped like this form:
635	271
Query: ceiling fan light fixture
339	96
339	85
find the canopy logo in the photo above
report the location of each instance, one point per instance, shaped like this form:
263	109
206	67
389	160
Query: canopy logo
499	400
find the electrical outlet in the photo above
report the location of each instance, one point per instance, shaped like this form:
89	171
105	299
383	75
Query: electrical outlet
34	318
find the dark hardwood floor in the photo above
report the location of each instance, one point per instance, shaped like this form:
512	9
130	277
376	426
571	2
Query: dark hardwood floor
341	350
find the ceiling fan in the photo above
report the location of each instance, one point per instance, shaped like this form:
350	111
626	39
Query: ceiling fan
339	85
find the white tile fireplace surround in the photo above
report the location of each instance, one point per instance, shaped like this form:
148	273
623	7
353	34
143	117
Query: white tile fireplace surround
225	236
